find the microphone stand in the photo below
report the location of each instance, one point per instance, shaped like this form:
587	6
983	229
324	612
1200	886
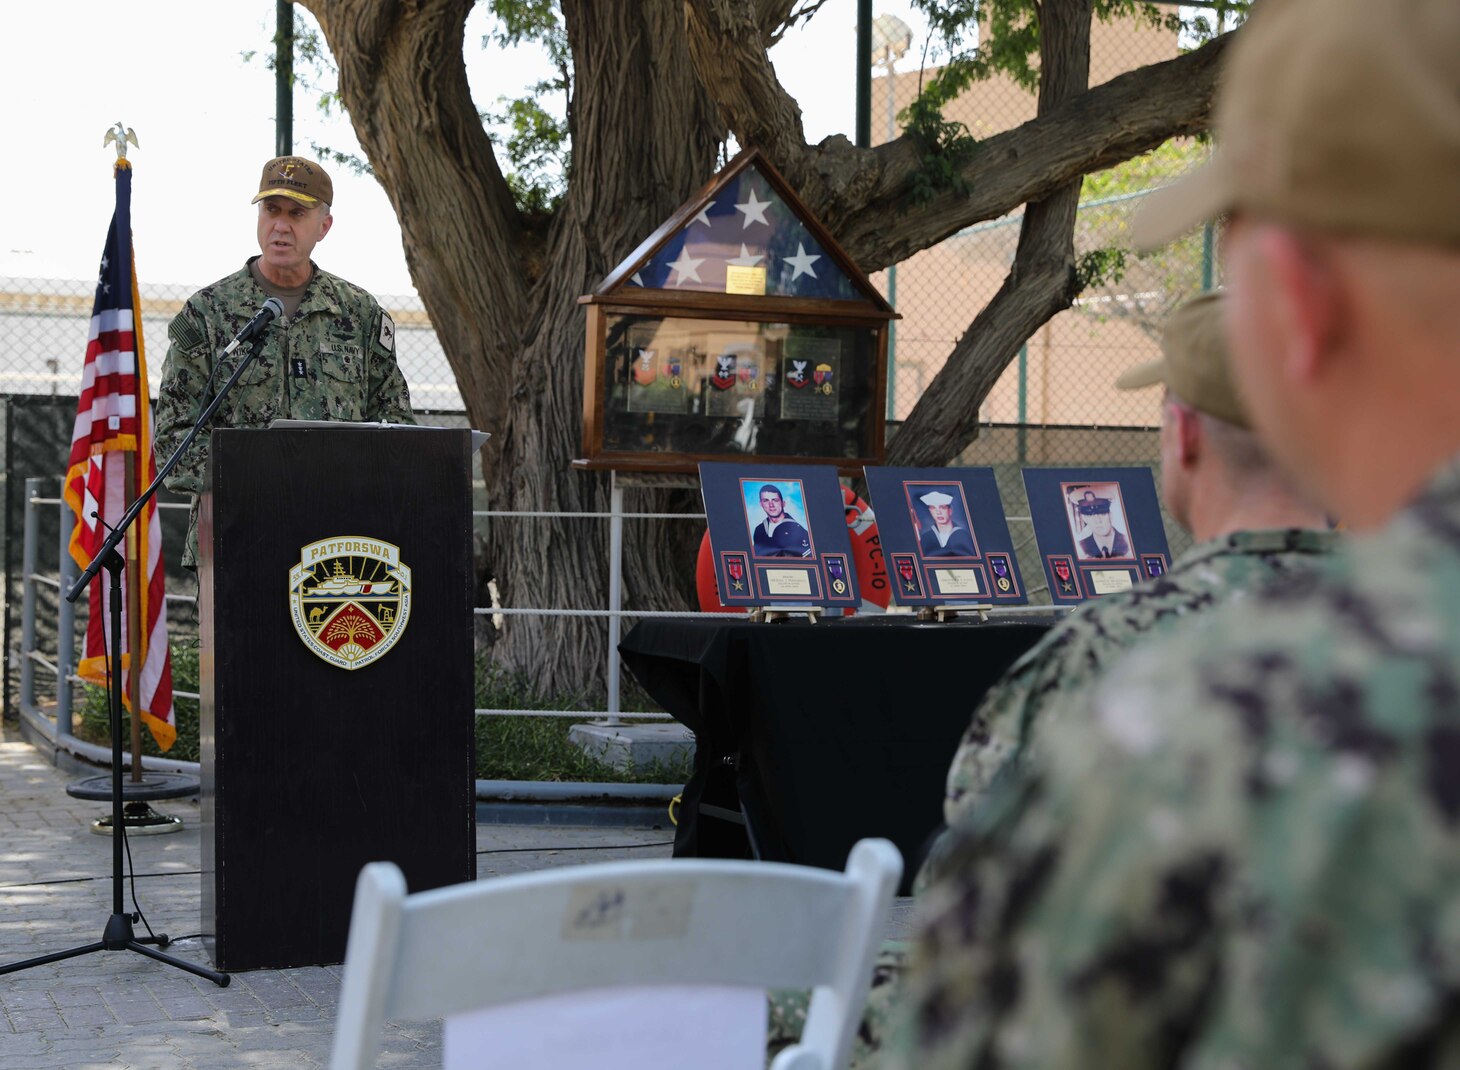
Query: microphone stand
118	934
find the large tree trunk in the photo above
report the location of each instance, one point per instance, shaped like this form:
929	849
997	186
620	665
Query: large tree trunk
504	299
658	82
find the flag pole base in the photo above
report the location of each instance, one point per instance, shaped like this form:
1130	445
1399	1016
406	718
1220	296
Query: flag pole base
140	820
137	816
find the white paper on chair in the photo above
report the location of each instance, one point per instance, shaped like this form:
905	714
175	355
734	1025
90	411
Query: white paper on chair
631	1028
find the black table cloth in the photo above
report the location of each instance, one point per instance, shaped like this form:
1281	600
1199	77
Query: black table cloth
820	734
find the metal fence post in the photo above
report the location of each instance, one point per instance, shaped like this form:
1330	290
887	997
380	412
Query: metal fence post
615	589
27	581
65	624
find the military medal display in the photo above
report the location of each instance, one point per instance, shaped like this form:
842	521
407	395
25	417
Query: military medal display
779	536
1099	529
945	536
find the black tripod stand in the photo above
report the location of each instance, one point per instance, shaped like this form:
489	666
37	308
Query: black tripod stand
118	934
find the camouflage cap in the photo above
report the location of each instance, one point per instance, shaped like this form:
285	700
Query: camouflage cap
293	176
1194	361
1333	115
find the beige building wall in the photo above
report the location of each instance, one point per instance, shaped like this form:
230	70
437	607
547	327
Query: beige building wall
1071	364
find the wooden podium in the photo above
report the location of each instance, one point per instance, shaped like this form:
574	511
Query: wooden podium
336	679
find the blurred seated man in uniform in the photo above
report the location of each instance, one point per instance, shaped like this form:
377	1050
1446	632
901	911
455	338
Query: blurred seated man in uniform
330	356
1249	524
1251	528
1241	848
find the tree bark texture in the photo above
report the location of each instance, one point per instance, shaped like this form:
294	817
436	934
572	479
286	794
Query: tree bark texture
657	86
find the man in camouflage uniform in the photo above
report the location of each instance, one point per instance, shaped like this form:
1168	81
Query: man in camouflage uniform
330	356
1252	528
1245	850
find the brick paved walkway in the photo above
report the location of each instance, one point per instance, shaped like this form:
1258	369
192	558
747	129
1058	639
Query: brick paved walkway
118	1009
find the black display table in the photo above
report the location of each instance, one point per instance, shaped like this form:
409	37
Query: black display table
819	734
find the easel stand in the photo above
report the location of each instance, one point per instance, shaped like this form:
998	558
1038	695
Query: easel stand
118	934
943	614
772	614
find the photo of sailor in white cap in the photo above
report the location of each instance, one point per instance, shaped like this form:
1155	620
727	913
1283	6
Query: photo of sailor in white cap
944	531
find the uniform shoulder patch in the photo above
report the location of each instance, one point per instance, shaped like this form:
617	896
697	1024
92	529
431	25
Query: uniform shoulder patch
185	334
387	331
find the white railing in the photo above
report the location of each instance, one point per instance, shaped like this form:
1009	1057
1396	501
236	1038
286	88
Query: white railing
58	725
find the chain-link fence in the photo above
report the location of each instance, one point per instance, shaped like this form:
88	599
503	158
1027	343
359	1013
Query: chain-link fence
1065	374
44	323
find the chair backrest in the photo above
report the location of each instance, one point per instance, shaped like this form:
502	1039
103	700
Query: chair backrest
681	922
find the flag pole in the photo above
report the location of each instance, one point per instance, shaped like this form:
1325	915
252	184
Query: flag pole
134	574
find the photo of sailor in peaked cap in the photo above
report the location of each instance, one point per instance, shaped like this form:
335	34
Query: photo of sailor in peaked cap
1093	526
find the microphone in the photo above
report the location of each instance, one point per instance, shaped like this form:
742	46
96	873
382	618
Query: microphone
272	307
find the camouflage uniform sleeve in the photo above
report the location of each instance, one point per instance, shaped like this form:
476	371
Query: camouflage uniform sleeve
390	398
1226	861
1003	723
180	399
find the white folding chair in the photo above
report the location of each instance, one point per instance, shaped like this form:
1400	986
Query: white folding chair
515	945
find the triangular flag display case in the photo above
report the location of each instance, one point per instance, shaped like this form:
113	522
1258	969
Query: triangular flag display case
739	328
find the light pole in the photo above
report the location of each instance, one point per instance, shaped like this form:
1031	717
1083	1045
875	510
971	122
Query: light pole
891	38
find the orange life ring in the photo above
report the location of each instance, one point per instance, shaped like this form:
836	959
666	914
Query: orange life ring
866	556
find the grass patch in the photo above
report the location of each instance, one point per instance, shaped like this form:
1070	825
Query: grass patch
537	748
94	720
507	748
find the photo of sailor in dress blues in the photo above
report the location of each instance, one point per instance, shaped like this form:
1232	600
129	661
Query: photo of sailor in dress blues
779	535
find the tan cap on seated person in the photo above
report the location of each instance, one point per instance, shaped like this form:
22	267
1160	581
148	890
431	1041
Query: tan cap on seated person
296	178
1194	361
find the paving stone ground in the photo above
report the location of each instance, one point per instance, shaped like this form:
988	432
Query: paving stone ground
119	1009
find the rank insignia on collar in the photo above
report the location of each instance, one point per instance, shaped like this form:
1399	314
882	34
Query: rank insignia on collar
350	599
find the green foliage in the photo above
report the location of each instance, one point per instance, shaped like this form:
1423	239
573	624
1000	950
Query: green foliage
537	154
1100	267
537	748
1140	173
984	38
93	721
536	144
945	147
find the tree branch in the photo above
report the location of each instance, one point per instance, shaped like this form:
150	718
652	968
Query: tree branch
728	50
1040	284
1091	130
403	81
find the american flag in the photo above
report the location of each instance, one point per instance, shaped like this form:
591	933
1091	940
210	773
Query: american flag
113	430
747	224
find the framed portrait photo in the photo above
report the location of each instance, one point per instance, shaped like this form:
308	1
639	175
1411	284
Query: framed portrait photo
1099	529
945	536
778	535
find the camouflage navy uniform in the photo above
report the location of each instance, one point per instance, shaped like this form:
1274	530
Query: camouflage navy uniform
1062	665
334	359
1245	855
1084	645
